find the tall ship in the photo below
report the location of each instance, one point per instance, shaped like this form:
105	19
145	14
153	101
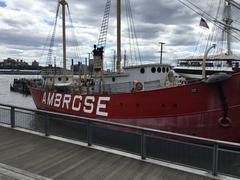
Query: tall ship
223	59
146	95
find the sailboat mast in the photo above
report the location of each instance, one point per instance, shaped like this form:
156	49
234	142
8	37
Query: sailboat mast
64	3
118	36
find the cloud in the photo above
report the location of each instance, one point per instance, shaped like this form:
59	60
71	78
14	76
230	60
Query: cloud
25	25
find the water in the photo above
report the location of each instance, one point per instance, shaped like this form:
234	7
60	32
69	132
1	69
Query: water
14	98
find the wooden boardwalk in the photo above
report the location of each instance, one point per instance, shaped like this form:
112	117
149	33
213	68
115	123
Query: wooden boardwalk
25	155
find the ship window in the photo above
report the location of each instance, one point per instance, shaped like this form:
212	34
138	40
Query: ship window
142	70
113	79
183	64
209	64
167	69
153	69
196	64
50	79
59	79
67	78
163	69
237	65
159	69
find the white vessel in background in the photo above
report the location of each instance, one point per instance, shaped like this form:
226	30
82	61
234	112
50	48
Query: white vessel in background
226	62
191	67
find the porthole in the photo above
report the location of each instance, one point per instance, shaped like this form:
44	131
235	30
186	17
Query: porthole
153	69
59	79
113	79
142	70
66	78
159	69
167	70
50	79
163	69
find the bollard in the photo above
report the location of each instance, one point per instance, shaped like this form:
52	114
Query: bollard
12	117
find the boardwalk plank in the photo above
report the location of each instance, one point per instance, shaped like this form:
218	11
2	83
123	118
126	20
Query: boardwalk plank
59	160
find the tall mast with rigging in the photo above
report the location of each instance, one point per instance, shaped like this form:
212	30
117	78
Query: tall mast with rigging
64	3
118	36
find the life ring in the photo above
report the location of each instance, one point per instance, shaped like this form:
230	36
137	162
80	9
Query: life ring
225	122
139	86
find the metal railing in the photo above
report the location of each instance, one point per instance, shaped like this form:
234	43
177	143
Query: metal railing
215	157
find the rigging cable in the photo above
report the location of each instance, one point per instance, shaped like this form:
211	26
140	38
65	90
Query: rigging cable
198	47
74	38
46	42
104	27
129	33
207	16
50	50
44	49
213	36
132	31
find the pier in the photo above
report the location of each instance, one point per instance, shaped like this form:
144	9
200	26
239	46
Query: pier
60	160
42	145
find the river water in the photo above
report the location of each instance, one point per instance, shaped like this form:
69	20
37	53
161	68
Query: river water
14	98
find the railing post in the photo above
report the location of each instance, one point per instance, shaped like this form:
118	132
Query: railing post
12	117
46	126
143	145
89	133
215	160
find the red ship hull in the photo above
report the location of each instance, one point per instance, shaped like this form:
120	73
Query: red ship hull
199	109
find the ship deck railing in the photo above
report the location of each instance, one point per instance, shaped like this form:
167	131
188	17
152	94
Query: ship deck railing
218	68
216	158
52	71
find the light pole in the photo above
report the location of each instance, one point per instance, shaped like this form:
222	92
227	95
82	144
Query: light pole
161	51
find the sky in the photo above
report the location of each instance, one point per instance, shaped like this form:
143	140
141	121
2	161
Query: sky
26	25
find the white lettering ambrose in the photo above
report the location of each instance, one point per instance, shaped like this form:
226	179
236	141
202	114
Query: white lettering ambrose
77	103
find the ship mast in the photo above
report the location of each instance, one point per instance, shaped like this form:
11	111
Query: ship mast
228	21
64	3
118	36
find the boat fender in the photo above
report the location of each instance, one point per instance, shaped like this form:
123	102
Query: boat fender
217	77
225	122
